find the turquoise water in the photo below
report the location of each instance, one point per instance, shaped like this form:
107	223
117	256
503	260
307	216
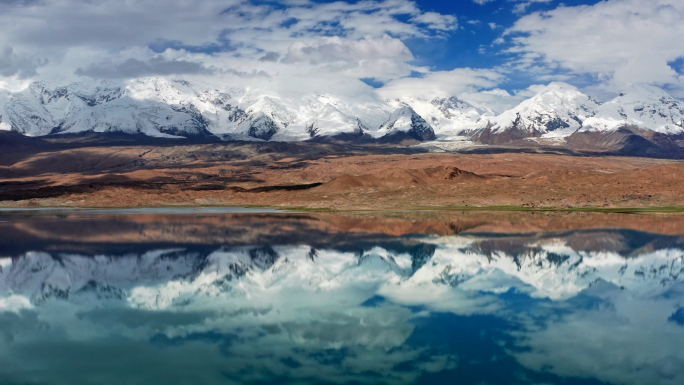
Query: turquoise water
267	298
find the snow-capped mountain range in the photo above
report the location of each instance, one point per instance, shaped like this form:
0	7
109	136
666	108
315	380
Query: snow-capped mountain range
176	108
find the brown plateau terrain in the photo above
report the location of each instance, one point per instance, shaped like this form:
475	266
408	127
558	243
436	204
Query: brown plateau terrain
133	172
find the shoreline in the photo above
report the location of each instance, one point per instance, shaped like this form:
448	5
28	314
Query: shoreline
270	209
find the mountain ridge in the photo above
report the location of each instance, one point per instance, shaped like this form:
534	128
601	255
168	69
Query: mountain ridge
159	107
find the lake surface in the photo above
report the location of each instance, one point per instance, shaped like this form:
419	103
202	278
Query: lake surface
224	297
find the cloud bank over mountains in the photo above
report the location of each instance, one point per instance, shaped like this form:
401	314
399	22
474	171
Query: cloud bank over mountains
302	46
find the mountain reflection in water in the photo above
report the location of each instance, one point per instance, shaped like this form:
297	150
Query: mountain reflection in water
458	298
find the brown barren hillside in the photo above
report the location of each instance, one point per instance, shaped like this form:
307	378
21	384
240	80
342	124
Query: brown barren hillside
398	178
91	173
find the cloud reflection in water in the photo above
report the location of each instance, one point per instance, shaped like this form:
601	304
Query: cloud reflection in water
575	307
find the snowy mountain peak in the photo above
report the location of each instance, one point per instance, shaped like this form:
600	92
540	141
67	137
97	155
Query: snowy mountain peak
453	106
556	110
406	121
643	93
450	117
331	121
643	106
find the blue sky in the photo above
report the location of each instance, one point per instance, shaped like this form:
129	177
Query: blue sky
480	25
489	51
462	47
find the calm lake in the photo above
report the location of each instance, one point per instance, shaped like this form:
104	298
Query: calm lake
210	296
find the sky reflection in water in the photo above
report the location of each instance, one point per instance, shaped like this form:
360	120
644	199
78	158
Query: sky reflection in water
247	300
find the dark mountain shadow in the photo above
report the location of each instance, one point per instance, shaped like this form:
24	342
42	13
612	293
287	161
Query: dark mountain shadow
629	141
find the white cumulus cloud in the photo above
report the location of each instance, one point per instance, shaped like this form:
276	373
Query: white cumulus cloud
619	42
